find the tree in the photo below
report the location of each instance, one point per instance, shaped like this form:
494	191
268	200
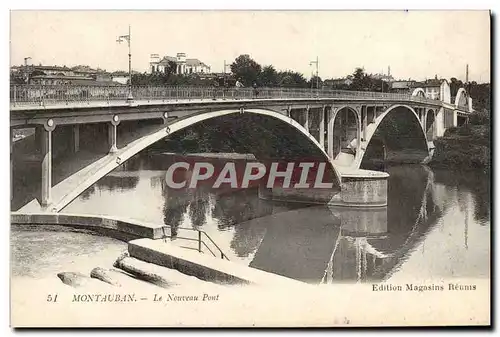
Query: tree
269	77
315	82
481	96
359	79
246	69
16	78
171	68
454	86
292	79
37	73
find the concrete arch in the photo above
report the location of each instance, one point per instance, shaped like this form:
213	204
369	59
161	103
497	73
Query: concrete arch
358	127
349	107
115	160
418	92
461	93
379	121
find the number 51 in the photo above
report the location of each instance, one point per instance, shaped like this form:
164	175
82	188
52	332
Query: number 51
52	298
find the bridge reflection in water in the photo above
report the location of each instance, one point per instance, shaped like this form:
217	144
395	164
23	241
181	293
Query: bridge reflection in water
316	244
357	244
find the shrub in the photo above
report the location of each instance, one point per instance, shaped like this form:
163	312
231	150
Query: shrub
479	118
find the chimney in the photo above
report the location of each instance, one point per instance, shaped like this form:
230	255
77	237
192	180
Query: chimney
181	57
154	58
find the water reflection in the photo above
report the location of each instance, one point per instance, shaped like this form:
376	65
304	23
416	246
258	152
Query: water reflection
298	243
371	246
478	185
320	243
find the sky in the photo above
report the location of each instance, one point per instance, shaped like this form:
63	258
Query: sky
415	44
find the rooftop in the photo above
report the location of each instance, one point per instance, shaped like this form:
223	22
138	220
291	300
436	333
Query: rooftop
195	62
191	62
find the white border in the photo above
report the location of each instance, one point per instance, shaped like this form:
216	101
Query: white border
186	4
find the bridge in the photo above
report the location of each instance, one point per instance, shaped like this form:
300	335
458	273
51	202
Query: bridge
82	133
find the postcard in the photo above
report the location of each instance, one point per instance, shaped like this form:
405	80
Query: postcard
250	168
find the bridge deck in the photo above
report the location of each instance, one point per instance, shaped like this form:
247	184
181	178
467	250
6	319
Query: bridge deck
61	105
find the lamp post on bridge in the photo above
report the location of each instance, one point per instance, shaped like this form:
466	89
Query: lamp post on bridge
26	72
225	80
127	38
316	62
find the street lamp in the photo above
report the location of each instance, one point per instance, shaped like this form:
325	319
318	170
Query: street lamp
317	72
127	38
225	81
225	67
26	73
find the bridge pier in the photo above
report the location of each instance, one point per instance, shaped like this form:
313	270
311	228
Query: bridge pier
46	151
76	138
306	121
112	138
423	118
364	116
329	132
359	188
440	122
359	132
362	188
322	127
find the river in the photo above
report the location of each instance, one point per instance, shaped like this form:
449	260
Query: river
436	226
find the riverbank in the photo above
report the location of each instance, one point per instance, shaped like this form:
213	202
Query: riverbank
463	149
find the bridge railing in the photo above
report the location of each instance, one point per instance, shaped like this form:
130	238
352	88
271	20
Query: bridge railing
203	242
66	94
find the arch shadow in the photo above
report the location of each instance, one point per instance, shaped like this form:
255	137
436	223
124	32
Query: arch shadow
397	132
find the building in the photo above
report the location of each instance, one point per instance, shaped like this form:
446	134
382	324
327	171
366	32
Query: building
53	70
62	75
435	88
337	82
405	87
383	77
120	77
179	64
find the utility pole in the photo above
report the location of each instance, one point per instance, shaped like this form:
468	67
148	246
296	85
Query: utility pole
467	85
317	72
127	38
